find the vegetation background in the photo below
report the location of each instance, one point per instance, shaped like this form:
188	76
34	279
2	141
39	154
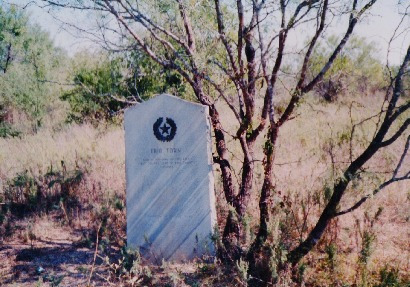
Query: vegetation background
62	181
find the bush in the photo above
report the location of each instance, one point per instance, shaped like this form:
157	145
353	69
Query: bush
21	190
56	189
389	277
7	130
91	99
356	70
28	63
103	89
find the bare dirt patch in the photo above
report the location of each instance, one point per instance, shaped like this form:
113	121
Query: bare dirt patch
45	254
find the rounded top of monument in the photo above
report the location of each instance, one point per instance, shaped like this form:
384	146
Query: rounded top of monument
165	99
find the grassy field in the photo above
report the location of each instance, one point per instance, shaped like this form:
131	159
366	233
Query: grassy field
62	196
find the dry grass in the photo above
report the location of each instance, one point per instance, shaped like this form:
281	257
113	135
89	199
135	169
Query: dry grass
99	151
304	167
307	144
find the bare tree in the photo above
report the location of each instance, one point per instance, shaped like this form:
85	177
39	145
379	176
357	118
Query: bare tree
240	62
379	141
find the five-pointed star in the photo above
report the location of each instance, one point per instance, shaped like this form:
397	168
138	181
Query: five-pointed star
165	129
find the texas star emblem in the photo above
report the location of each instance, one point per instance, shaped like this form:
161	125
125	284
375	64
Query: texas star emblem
164	130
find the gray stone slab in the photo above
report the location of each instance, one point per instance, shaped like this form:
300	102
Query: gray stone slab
170	187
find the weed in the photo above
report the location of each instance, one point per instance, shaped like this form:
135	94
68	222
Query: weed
22	192
30	235
7	130
39	282
389	277
67	181
118	202
331	252
301	272
26	193
242	267
54	280
128	269
366	251
364	256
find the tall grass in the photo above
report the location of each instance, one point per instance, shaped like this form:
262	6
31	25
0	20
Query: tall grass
313	149
99	150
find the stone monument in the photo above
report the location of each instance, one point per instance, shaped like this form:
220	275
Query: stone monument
170	188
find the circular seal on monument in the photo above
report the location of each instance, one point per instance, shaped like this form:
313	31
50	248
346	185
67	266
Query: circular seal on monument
165	130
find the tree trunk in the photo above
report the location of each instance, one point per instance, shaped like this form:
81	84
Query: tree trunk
257	268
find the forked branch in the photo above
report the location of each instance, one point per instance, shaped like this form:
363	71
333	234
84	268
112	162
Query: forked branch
393	179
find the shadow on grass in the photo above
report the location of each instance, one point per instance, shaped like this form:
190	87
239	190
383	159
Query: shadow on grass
51	264
55	256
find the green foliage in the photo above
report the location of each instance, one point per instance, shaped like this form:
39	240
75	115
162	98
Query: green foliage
108	218
54	280
21	189
331	252
12	25
148	78
7	130
356	69
278	257
129	269
104	89
91	98
368	237
301	272
242	267
64	177
118	202
366	251
28	61
130	256
389	277
65	183
25	192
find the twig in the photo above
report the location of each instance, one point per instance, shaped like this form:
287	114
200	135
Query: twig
95	255
64	211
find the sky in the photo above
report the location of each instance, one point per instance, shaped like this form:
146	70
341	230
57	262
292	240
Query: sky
377	27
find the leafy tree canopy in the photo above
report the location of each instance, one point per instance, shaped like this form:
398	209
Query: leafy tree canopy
105	87
29	64
357	68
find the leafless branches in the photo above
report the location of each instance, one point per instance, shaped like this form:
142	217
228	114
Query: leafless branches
249	44
393	179
341	184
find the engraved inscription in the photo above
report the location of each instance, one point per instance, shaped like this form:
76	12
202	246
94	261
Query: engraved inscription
165	150
166	162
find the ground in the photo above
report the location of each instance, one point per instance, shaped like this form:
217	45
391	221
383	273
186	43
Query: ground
50	256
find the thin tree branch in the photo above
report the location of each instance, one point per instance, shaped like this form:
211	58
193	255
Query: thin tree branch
394	137
393	179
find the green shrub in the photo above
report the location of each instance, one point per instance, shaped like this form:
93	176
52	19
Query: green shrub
357	69
389	277
21	190
104	89
366	251
28	63
91	99
56	189
7	130
331	252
